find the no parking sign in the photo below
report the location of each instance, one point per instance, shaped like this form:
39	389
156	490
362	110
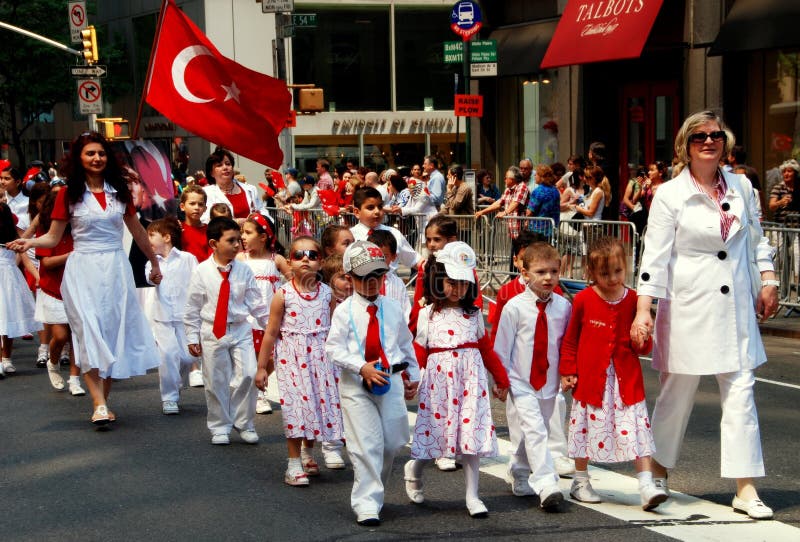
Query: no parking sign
465	20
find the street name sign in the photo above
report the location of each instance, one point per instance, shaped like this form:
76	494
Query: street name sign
276	6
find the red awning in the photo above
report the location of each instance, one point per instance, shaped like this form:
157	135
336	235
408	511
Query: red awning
598	30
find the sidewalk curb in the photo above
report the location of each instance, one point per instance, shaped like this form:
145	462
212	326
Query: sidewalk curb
774	331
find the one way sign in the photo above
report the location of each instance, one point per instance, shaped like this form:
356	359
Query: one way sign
90	96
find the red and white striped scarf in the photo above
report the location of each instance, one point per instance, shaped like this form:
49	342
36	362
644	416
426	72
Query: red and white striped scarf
720	188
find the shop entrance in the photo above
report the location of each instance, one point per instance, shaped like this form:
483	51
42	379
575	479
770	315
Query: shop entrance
649	121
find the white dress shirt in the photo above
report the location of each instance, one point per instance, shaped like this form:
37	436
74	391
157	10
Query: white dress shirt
171	293
406	254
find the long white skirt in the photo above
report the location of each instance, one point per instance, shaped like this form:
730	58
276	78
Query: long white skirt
109	329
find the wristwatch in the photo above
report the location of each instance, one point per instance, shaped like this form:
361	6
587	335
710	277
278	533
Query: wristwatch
771	282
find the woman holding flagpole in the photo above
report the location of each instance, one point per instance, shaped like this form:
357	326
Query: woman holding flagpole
241	197
110	334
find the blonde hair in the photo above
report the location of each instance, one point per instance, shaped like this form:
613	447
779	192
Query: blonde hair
692	123
602	251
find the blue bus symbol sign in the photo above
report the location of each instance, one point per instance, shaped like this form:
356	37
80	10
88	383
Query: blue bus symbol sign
465	19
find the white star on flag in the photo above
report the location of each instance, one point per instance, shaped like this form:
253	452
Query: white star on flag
232	92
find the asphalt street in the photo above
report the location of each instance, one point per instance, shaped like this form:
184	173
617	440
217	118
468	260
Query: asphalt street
156	477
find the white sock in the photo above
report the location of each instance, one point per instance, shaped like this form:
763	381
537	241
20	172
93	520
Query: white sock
44	350
76	379
471	465
645	478
581	475
295	462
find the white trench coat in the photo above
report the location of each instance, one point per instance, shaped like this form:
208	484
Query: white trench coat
706	321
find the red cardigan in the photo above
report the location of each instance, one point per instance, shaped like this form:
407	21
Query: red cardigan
599	332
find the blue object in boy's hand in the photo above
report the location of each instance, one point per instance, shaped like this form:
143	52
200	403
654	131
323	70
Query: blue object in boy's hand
379	389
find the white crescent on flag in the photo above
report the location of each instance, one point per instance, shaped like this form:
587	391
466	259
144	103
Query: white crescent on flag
179	72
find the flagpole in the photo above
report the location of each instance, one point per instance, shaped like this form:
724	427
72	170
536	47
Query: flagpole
161	16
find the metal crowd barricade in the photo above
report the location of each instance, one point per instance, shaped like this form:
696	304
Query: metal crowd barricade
787	262
309	222
574	236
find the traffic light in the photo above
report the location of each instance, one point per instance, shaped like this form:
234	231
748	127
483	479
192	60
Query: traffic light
114	128
89	37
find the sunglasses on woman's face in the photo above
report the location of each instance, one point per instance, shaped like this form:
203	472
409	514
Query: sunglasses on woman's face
700	137
312	255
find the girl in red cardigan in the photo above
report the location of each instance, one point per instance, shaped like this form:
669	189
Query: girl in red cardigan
609	421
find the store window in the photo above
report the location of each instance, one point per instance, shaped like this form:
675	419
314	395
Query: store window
539	124
782	120
419	59
347	55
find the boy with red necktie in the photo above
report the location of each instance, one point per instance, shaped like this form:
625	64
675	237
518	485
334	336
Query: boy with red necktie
370	341
222	293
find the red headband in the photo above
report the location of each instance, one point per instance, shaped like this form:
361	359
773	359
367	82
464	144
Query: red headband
262	221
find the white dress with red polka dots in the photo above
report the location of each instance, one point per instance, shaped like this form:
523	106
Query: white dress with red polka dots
612	433
454	415
306	382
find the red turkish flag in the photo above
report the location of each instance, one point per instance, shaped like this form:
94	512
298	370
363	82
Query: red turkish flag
196	87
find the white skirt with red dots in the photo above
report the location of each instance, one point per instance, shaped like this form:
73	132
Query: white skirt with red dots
613	433
454	415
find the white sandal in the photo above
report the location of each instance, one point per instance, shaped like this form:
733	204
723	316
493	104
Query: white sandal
413	485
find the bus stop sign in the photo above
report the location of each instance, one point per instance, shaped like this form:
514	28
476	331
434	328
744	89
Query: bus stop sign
465	20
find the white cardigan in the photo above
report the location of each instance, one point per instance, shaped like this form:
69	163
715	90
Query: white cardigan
215	195
706	321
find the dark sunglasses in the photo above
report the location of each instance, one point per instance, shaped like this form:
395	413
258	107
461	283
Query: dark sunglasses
298	255
700	137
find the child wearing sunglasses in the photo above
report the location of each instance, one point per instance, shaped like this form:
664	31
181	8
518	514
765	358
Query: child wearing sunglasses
294	345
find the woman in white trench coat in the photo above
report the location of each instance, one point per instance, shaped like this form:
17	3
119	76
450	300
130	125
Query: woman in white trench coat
696	263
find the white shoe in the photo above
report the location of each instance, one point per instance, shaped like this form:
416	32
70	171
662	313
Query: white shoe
334	459
414	485
8	367
565	467
2	371
43	357
477	509
520	486
262	404
75	388
63	359
754	508
221	439
56	380
652	496
249	436
661	483
170	407
295	476
582	491
550	497
196	378
310	466
446	464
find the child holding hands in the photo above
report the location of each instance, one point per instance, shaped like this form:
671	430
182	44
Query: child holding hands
609	421
528	338
454	415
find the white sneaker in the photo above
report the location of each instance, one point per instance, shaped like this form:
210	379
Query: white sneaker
565	467
75	388
221	439
263	405
56	380
170	407
550	497
446	464
582	491
249	436
333	459
477	509
8	367
196	378
43	356
2	371
652	496
63	360
520	486
755	508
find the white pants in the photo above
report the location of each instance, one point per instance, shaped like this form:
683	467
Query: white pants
377	428
739	434
528	422
229	367
175	357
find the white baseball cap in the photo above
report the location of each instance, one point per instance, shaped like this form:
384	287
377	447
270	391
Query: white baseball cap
459	261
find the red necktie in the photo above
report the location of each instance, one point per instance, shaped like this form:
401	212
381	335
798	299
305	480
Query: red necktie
540	364
370	232
221	314
372	345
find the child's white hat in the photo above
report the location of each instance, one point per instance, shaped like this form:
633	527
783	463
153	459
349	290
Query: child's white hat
362	258
459	261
